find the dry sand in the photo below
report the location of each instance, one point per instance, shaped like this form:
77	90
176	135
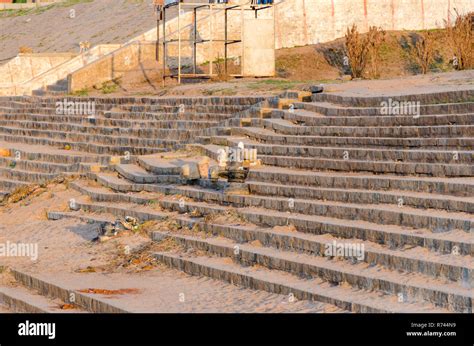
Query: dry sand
65	247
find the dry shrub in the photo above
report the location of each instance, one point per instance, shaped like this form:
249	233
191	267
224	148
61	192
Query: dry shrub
363	51
421	50
375	39
357	51
461	40
221	74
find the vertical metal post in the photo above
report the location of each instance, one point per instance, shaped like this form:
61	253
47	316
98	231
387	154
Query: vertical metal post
225	39
242	39
211	44
164	44
157	52
179	42
194	40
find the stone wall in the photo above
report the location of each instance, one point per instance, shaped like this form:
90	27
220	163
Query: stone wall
302	22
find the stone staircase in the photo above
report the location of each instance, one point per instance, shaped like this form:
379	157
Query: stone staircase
37	144
336	174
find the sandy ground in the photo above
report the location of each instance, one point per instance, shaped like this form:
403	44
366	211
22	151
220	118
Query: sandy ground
100	21
436	82
66	256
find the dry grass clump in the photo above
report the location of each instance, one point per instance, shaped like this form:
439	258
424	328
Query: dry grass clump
461	40
363	50
228	217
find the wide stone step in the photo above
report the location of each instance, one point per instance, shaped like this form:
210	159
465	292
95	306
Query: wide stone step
429	131
144	133
139	175
283	283
331	109
95	138
391	167
182	107
399	155
445	186
452	267
400	198
26	176
349	165
7	185
371	101
268	136
389	214
315	119
392	235
19	299
73	122
38	166
163	116
413	287
50	154
89	147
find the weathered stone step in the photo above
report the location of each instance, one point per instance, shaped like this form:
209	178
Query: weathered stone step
85	301
7	185
139	175
54	155
159	166
436	220
404	168
377	154
38	166
19	299
161	116
26	176
58	122
453	267
331	109
283	283
400	197
389	214
392	235
95	138
112	181
314	119
265	135
349	165
416	287
144	133
370	101
177	108
89	147
410	260
445	186
429	131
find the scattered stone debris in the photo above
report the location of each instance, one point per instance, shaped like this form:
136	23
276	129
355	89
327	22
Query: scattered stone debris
109	230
